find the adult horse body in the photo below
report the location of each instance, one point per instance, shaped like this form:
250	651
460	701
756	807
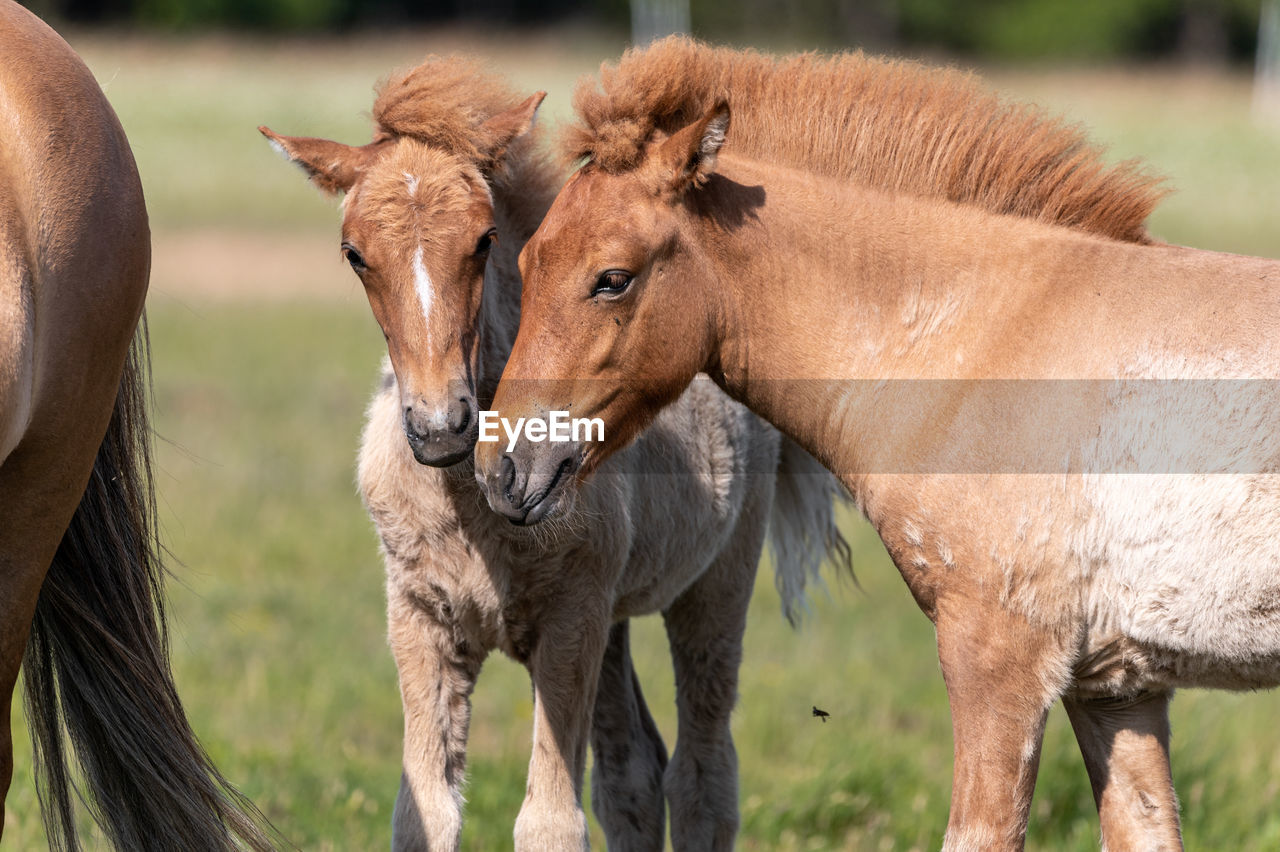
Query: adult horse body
80	581
1103	552
437	208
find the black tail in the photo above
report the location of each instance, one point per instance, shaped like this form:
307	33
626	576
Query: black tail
97	661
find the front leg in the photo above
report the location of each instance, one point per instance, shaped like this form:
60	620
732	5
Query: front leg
436	682
1125	744
1002	675
565	667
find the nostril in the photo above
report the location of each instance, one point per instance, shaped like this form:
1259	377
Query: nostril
507	476
460	417
410	429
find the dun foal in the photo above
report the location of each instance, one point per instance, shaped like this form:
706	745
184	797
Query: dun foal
437	208
1064	433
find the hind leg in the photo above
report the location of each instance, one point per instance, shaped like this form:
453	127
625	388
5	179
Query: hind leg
626	778
705	627
39	496
1126	750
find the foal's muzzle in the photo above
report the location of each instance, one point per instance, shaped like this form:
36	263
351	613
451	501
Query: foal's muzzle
532	482
442	436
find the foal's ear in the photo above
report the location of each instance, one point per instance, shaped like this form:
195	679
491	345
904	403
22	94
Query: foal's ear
332	166
497	134
689	157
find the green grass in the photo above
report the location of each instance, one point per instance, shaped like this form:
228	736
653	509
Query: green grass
280	646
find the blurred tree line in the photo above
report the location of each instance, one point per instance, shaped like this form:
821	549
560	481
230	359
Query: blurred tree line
1208	30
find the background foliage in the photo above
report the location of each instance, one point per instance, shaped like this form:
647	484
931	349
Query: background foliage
1214	30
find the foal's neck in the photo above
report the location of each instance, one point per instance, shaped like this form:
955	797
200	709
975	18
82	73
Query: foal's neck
521	196
827	290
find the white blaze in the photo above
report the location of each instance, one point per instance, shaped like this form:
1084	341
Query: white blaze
422	283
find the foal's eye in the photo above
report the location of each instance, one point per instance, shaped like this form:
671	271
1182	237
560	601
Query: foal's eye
353	257
612	283
486	242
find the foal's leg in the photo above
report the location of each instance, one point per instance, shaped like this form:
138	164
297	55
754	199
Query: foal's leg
626	777
565	667
1002	675
1126	750
435	687
705	627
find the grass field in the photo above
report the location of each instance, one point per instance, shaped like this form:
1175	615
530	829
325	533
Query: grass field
264	356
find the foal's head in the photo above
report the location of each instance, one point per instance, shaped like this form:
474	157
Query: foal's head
417	227
614	321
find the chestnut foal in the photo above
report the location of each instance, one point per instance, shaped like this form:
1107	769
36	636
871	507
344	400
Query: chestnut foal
955	307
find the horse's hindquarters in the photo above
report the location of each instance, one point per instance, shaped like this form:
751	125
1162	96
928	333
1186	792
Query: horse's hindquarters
17	331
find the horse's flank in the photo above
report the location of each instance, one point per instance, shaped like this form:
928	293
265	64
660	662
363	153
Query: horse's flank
895	125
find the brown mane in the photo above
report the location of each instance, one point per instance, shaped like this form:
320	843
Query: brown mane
893	124
444	102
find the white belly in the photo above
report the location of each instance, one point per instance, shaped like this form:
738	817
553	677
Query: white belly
1182	574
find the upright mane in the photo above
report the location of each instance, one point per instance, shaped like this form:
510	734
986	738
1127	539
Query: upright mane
895	125
444	102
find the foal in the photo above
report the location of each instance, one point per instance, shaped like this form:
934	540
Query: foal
889	329
437	208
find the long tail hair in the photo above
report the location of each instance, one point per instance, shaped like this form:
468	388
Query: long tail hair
97	671
803	532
